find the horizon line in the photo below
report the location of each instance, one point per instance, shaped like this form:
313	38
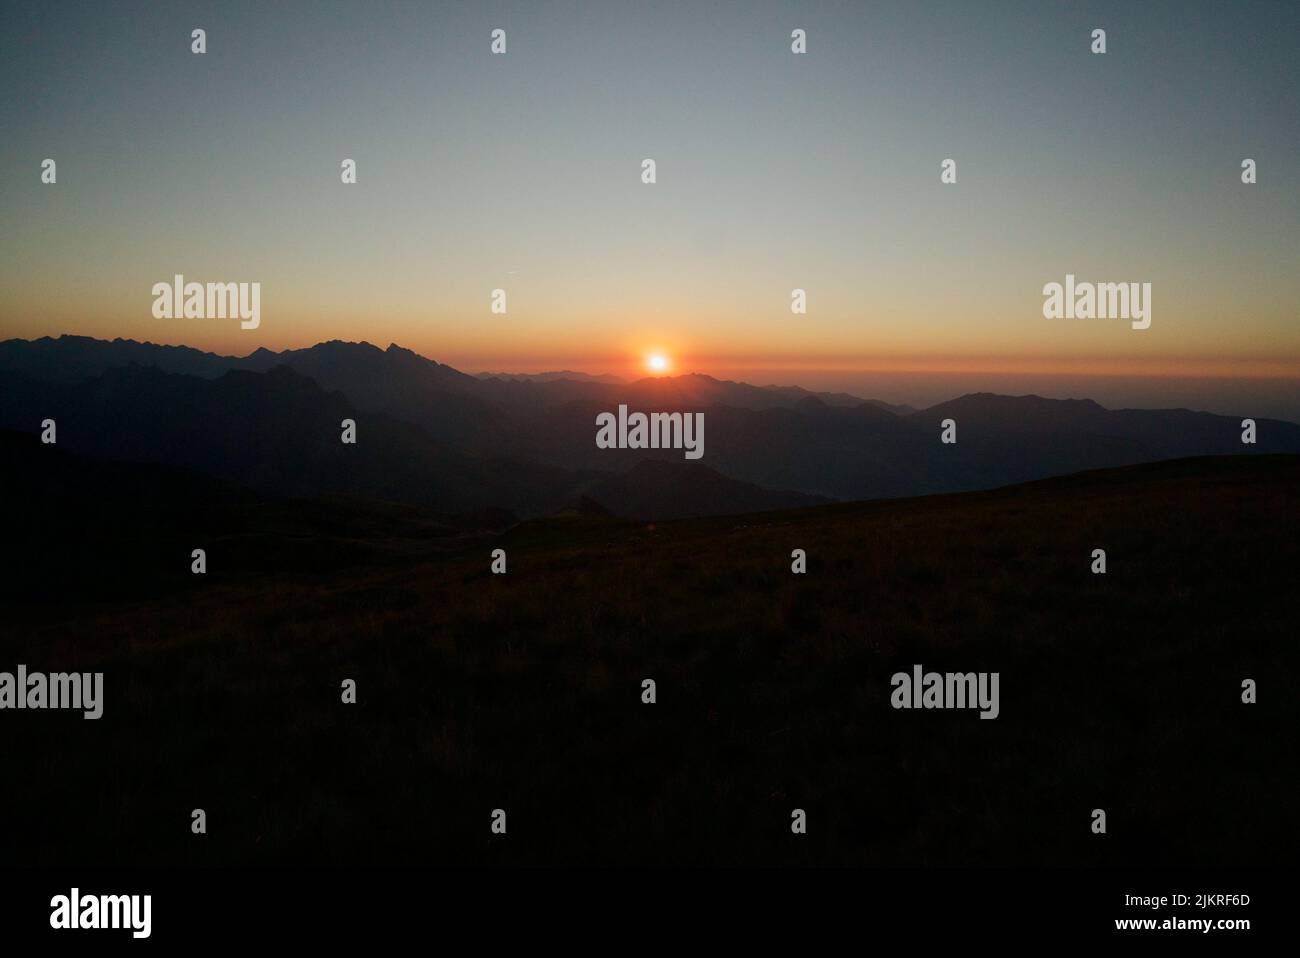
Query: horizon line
1247	369
1021	392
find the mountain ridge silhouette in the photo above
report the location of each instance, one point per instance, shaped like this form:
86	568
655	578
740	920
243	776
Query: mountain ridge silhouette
433	436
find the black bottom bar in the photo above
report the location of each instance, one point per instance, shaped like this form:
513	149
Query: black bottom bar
623	907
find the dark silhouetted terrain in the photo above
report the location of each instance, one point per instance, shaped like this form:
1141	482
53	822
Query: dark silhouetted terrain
432	436
522	691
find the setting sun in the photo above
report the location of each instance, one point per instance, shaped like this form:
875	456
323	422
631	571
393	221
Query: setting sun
657	363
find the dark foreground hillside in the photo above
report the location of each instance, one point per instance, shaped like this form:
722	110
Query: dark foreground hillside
523	692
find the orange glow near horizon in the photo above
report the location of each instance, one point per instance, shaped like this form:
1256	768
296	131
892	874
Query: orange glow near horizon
661	363
658	364
629	356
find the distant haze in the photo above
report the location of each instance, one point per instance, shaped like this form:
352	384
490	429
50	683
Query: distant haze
1277	398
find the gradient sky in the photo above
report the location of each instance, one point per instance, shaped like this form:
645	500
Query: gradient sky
774	171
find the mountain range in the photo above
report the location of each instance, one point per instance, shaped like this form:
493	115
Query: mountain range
430	435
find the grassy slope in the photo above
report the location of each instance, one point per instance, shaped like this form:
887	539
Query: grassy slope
523	692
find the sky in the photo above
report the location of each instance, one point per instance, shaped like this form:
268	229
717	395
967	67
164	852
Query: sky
775	171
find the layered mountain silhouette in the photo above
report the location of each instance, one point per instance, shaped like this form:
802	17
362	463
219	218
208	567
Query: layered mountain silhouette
432	436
